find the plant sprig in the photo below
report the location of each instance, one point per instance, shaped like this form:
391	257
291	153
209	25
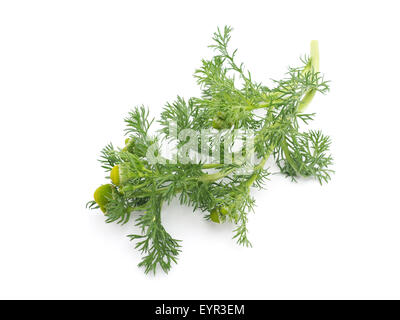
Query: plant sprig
230	100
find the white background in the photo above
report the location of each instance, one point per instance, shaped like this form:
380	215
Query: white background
71	70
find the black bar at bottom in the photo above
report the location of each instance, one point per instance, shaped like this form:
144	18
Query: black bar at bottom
201	309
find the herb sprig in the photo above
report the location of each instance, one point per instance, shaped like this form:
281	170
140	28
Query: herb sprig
230	100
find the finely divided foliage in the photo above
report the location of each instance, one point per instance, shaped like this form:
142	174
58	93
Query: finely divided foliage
229	100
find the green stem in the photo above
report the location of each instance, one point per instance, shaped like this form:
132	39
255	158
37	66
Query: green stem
211	165
288	157
260	166
132	209
215	176
314	66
